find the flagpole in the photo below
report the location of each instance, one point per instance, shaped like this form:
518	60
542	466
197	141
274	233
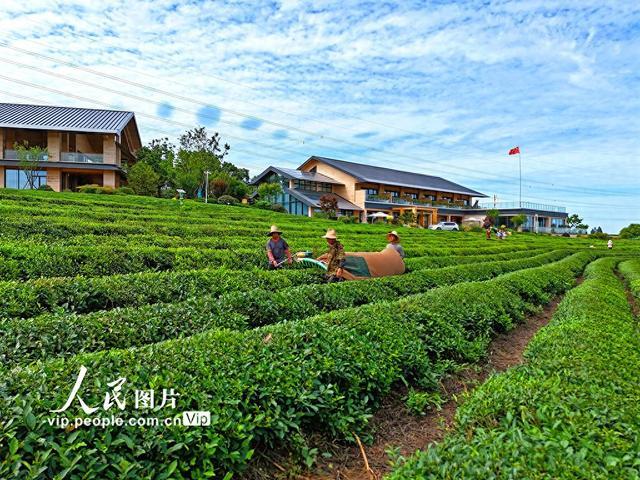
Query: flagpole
520	168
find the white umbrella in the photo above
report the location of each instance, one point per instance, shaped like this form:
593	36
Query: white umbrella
378	215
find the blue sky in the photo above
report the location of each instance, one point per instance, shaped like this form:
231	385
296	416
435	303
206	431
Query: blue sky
444	88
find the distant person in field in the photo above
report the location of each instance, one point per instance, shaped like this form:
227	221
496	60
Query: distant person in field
335	257
394	242
487	224
277	249
502	232
610	244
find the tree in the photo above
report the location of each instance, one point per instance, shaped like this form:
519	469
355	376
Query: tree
29	161
160	155
632	231
408	217
269	191
197	140
143	179
329	205
518	220
493	214
573	220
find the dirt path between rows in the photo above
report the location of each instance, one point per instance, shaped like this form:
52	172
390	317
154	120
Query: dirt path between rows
635	305
396	427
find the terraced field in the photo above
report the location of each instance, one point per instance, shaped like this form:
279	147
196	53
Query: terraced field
174	300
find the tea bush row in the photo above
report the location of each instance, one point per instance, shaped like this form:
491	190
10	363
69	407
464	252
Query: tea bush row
570	412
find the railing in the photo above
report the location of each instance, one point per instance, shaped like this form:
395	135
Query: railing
557	230
13	155
82	157
529	205
415	202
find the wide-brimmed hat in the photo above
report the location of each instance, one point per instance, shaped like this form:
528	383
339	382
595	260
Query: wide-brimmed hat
273	230
331	234
395	234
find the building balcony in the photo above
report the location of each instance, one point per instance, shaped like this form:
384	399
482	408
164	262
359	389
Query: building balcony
13	155
520	205
414	202
81	157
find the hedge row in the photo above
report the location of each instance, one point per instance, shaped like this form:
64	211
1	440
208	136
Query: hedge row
81	295
570	412
265	388
631	271
24	262
25	340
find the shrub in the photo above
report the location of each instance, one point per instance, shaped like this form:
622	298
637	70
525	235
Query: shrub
143	179
227	200
46	187
347	219
125	191
91	188
276	207
418	403
263	204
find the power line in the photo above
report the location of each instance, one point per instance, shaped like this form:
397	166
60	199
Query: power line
93	39
143	99
177	123
234	112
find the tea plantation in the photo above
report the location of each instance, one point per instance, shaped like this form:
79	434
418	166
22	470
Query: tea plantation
147	295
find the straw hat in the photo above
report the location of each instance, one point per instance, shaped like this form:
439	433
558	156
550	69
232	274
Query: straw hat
273	230
331	234
395	234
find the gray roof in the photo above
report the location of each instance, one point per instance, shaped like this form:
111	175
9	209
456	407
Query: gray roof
389	176
290	173
45	117
313	199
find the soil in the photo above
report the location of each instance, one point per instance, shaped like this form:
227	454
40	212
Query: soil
396	427
635	305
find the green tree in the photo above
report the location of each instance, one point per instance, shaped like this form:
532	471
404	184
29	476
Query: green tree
493	214
408	217
574	221
160	155
143	179
518	220
269	191
29	160
632	231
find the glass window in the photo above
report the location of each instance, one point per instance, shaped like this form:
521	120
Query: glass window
429	197
20	180
394	193
413	196
372	191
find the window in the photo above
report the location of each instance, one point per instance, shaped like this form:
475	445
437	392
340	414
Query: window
310	186
18	179
346	213
412	196
429	197
394	193
292	204
372	191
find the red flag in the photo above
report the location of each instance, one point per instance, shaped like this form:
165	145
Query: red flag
514	151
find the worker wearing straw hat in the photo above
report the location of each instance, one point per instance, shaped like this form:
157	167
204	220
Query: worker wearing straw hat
394	242
335	257
277	249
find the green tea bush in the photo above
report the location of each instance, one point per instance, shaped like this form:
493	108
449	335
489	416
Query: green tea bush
569	412
48	336
269	387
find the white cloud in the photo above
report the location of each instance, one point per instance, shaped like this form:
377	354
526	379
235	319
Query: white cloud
453	84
